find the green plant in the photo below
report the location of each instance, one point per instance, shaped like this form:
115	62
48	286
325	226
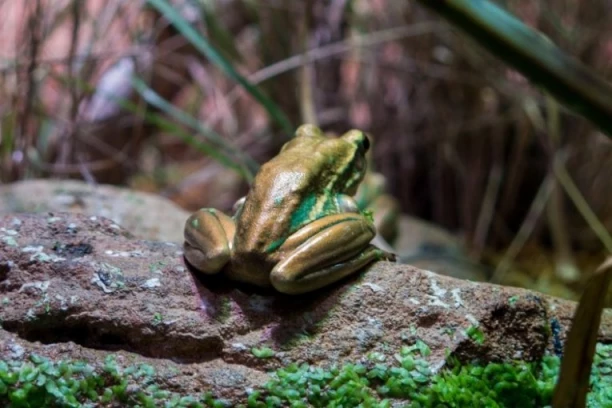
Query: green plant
409	377
263	352
474	333
534	55
158	318
39	382
202	45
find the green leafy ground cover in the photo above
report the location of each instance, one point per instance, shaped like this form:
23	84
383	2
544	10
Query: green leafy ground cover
378	382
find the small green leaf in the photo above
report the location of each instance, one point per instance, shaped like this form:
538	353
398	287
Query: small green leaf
263	352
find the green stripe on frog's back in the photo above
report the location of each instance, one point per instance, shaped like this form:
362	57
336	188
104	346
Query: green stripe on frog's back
311	208
275	245
327	205
303	213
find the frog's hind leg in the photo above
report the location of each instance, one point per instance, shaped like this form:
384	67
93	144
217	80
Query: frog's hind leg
330	274
209	235
331	251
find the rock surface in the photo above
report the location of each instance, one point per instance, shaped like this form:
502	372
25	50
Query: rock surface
147	216
428	246
424	245
73	286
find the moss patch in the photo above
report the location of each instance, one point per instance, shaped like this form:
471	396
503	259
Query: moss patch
474	333
263	352
38	382
378	381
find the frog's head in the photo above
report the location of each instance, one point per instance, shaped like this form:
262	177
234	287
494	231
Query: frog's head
353	171
343	161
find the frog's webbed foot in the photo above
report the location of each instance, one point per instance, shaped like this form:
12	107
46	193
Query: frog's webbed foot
209	235
324	252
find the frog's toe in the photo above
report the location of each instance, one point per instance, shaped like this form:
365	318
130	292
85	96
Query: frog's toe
388	256
208	237
209	262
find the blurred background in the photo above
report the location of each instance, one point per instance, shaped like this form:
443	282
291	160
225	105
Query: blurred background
148	95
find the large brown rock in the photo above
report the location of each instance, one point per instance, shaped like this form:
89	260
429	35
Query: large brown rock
145	215
73	286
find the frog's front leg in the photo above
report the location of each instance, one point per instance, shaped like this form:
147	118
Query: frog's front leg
324	252
209	235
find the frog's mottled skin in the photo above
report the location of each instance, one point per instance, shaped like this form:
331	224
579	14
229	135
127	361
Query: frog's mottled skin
298	229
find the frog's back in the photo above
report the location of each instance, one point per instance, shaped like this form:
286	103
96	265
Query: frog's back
279	190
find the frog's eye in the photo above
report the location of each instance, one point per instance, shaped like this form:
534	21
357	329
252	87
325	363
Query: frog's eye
365	143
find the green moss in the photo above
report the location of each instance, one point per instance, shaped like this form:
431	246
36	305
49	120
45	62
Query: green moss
512	300
375	382
38	382
264	352
302	337
157	267
474	333
158	319
449	331
601	378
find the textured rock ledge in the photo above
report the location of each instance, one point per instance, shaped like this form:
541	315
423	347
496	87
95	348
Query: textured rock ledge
80	287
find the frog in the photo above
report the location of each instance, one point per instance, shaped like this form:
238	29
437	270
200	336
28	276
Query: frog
298	229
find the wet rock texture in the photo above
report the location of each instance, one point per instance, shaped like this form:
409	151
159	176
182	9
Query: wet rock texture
80	287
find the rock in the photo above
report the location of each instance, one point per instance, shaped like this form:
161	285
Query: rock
145	215
80	287
428	246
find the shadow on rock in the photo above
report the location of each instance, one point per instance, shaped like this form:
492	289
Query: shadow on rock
292	316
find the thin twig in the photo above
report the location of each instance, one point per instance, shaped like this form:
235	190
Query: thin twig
17	66
536	209
72	69
581	204
487	209
67	142
27	136
565	267
340	47
316	54
307	105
